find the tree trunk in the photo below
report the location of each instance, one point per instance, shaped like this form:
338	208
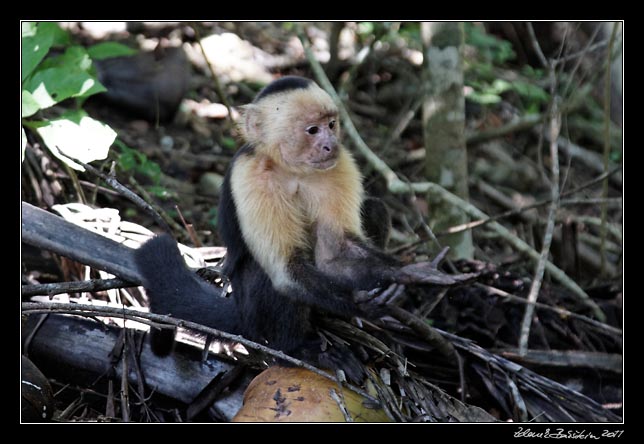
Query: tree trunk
444	129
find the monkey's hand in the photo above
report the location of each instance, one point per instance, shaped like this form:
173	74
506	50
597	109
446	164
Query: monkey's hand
379	296
428	273
374	303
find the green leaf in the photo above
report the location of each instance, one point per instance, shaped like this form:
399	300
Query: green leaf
228	143
533	73
61	36
160	192
499	86
106	50
531	92
127	160
212	216
54	85
365	28
484	98
28	29
77	135
131	159
491	48
75	58
29	104
36	41
24	144
532	108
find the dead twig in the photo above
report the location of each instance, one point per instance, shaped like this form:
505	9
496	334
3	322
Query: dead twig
167	220
608	201
523	209
554	127
209	394
566	358
589	158
560	311
27	342
525	122
215	78
122	190
604	206
613	229
189	228
425	332
403	123
519	124
588	49
91	285
341	405
578	62
536	46
125	386
595	242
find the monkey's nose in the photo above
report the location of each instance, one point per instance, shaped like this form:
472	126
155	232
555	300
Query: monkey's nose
326	148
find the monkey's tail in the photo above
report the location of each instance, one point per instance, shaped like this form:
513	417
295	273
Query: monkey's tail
175	290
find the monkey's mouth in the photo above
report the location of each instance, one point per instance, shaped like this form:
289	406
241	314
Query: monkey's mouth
325	161
325	164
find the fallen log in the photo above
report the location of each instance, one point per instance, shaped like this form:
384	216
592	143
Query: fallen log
77	350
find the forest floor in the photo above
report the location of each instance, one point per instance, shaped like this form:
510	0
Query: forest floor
508	163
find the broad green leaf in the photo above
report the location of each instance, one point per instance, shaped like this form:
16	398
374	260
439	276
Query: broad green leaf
491	48
61	36
127	161
484	98
365	28
35	45
499	86
54	85
29	104
531	92
132	159
78	136
106	50
75	58
28	29
533	73
24	144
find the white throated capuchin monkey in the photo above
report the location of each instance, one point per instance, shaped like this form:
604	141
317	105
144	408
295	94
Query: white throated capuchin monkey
290	216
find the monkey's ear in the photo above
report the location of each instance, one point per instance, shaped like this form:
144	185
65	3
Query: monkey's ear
250	123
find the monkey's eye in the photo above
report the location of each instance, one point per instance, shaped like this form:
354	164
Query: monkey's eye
312	130
332	124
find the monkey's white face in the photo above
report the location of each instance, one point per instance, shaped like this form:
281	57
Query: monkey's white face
299	126
312	142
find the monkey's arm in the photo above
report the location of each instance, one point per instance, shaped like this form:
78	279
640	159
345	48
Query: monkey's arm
353	261
316	289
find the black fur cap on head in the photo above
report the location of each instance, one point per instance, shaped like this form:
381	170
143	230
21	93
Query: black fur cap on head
286	83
